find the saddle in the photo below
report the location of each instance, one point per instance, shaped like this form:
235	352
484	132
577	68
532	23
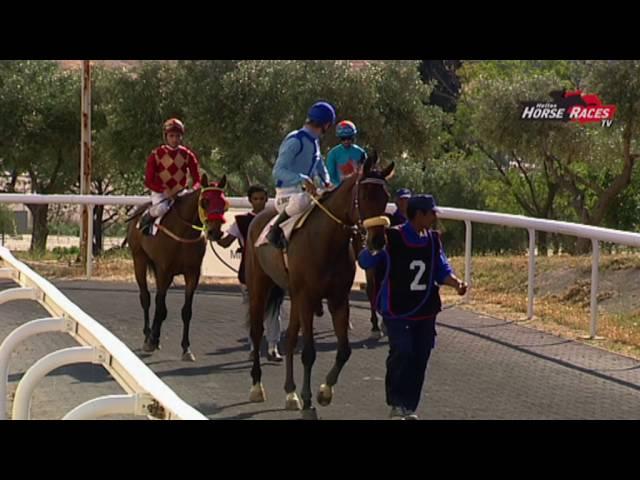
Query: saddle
288	226
157	220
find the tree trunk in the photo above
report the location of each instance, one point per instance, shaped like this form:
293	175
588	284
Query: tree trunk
40	230
11	187
543	243
583	246
98	230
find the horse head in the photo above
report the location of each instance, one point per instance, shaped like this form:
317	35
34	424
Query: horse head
373	196
212	205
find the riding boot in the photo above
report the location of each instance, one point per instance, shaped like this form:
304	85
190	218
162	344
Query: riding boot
276	235
146	223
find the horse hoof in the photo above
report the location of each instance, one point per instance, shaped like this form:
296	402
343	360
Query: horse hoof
309	414
148	347
292	402
257	395
375	335
188	356
325	394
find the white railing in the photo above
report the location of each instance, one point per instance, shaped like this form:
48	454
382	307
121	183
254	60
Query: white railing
91	201
146	394
595	234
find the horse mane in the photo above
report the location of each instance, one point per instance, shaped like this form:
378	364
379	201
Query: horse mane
373	173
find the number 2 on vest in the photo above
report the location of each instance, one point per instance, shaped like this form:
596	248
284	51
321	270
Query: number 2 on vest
416	285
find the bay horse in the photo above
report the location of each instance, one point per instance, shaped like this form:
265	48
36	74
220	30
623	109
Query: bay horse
358	244
177	249
321	265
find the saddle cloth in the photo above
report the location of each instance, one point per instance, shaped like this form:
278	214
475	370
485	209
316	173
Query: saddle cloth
288	226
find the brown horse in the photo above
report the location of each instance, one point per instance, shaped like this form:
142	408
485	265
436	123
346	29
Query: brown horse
321	265
177	249
358	244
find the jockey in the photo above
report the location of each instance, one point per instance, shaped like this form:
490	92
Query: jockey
299	161
347	157
166	172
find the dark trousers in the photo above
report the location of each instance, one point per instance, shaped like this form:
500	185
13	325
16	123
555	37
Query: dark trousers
410	344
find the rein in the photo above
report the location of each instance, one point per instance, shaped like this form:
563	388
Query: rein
202	217
359	226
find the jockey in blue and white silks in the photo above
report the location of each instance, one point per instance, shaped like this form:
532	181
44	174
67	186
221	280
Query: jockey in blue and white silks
299	162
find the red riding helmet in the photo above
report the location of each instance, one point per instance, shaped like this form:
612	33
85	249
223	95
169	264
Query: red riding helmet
173	125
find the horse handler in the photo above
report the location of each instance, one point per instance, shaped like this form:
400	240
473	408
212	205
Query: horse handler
409	271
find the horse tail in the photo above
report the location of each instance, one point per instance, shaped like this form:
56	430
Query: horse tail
274	302
272	307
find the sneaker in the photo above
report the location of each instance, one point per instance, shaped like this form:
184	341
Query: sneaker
274	355
397	413
410	415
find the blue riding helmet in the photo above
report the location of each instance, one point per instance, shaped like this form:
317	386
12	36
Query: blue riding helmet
322	112
346	129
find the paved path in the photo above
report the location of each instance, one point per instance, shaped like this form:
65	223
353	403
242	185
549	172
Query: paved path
482	368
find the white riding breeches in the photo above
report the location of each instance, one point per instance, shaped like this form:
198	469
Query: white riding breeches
292	200
160	204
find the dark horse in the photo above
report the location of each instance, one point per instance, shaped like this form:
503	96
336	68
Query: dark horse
321	265
177	249
376	333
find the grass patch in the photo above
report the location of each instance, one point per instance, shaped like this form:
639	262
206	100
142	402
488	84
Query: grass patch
500	287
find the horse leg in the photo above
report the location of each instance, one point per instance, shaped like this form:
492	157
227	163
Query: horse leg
305	312
140	262
163	280
257	304
190	284
292	401
340	315
375	329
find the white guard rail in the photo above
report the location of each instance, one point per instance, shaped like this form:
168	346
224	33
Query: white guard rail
146	394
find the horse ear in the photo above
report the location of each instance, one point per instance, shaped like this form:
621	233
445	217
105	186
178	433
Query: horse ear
204	180
374	157
368	164
223	181
389	171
